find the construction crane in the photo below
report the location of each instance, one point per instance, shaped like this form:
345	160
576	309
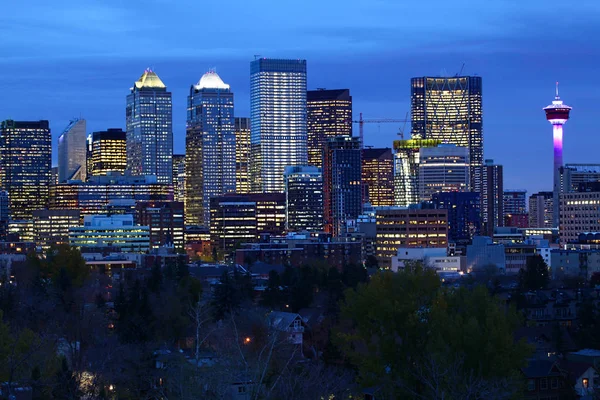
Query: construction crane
361	122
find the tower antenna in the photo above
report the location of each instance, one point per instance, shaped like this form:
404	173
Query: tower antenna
557	90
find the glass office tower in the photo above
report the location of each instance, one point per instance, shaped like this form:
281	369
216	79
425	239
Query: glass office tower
303	199
149	128
278	117
25	164
242	155
72	151
210	147
107	151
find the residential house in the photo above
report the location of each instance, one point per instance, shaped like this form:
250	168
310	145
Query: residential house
288	323
544	380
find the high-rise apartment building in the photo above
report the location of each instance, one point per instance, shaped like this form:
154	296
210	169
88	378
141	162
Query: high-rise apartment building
165	222
278	121
25	164
149	128
210	147
107	151
342	188
72	151
242	155
579	213
449	109
444	168
492	196
406	169
179	177
303	199
464	215
378	177
540	210
328	114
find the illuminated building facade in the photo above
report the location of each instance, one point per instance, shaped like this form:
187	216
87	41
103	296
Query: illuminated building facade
557	114
541	209
4	214
304	199
492	197
406	169
97	194
464	215
72	151
51	227
25	164
210	147
179	177
449	109
408	227
278	121
579	213
515	208
149	128
165	221
573	175
328	114
342	187
116	231
107	151
444	168
378	177
242	155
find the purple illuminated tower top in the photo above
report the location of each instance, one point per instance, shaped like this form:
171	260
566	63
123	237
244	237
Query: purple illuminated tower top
557	114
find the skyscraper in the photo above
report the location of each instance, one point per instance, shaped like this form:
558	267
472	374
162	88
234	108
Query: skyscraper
515	201
179	177
278	121
72	151
149	128
557	114
406	169
328	114
25	164
242	155
342	188
573	175
210	147
449	109
107	151
378	177
303	199
444	168
541	209
464	220
492	196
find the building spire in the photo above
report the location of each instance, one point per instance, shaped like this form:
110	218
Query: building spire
557	96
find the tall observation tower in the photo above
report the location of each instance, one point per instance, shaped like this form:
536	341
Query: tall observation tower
557	114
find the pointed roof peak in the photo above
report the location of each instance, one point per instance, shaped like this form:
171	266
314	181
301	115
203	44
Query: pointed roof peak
149	79
211	80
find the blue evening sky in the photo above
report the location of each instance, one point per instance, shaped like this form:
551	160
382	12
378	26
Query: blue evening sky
65	58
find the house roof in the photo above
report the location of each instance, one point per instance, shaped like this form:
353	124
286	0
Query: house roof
541	368
282	320
535	333
575	369
264	268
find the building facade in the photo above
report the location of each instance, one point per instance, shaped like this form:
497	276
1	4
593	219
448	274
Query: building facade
4	214
541	209
165	222
492	196
25	164
303	199
406	169
464	215
107	151
328	114
378	177
179	177
72	151
573	175
449	109
210	147
444	168
579	213
116	231
278	121
150	128
51	227
342	188
242	155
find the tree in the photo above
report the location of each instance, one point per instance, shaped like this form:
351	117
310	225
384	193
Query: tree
272	296
535	276
415	339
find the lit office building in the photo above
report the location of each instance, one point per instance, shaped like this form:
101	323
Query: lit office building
378	177
408	227
304	199
328	114
342	188
492	197
4	214
242	155
406	169
25	165
107	151
21	230
210	147
464	215
72	151
165	221
96	195
574	175
444	168
149	128
449	109
278	121
51	227
115	231
541	208
579	213
515	208
179	177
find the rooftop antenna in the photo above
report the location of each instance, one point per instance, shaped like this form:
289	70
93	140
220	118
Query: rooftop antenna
557	96
257	56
